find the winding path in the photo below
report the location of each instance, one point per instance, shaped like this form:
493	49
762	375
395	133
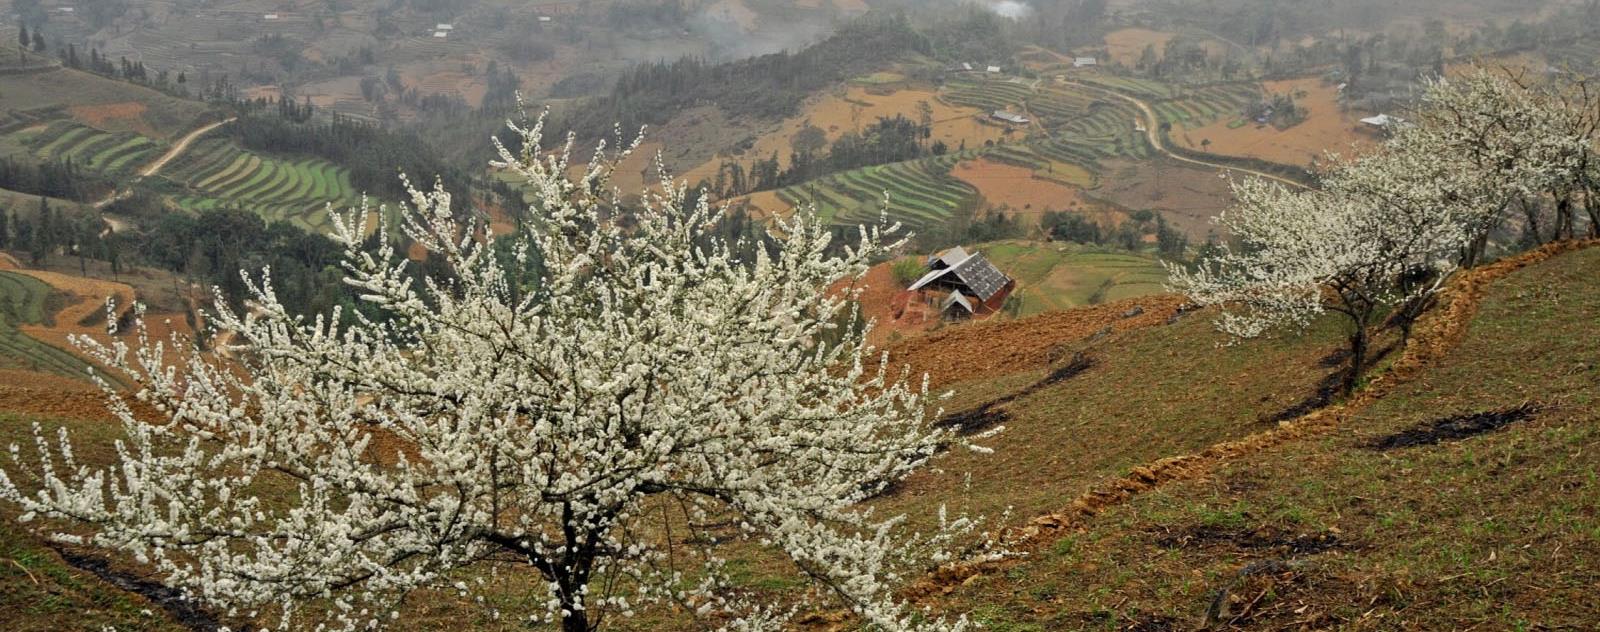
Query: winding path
1152	130
155	167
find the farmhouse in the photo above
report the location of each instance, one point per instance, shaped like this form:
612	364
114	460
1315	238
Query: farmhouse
1009	117
1383	121
1084	62
444	27
969	283
993	69
441	34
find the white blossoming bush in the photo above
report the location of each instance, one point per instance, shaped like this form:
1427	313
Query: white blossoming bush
1509	144
1305	253
1386	229
652	397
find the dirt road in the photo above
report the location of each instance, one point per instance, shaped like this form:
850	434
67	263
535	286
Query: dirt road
182	146
1152	130
155	167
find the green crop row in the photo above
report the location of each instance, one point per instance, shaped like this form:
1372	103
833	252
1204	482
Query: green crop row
98	150
919	193
220	174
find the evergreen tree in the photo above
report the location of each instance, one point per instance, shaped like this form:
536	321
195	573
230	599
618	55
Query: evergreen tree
5	229
38	41
43	233
22	36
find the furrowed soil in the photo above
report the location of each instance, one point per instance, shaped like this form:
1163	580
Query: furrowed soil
129	114
1016	187
1187	196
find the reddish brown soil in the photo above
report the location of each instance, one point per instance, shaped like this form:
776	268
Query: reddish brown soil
1004	346
129	113
853	109
892	309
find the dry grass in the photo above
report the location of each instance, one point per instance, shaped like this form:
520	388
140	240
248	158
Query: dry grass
1494	531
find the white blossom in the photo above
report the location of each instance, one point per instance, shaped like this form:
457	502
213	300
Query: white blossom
650	393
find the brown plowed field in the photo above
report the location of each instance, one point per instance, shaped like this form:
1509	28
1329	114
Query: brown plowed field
101	115
1325	129
1016	187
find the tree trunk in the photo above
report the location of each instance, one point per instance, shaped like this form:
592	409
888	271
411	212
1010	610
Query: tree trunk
1564	219
1358	358
574	620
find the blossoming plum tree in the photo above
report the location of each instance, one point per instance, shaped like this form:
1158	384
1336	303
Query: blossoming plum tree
651	397
1305	253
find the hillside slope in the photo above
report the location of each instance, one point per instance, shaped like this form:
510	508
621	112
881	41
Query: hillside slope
1319	529
1463	497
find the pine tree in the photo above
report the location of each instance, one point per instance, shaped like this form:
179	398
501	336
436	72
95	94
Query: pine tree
5	229
43	233
22	36
38	41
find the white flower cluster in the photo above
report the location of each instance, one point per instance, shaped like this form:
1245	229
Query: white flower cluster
1388	228
650	397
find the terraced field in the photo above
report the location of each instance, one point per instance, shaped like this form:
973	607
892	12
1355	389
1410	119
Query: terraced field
985	93
1143	88
1198	106
23	302
216	173
921	193
112	153
1058	276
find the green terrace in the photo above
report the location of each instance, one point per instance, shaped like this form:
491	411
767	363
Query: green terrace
920	193
24	300
112	153
216	173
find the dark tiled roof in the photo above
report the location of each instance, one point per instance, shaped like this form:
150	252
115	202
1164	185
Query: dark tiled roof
981	277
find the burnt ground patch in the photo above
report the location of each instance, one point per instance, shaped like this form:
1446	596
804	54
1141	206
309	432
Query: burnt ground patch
990	414
186	611
1454	428
1278	582
1121	621
1262	539
1327	389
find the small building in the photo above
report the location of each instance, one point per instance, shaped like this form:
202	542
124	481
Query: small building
1385	124
993	69
546	18
270	16
1009	117
1084	62
444	27
971	285
1381	121
441	34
